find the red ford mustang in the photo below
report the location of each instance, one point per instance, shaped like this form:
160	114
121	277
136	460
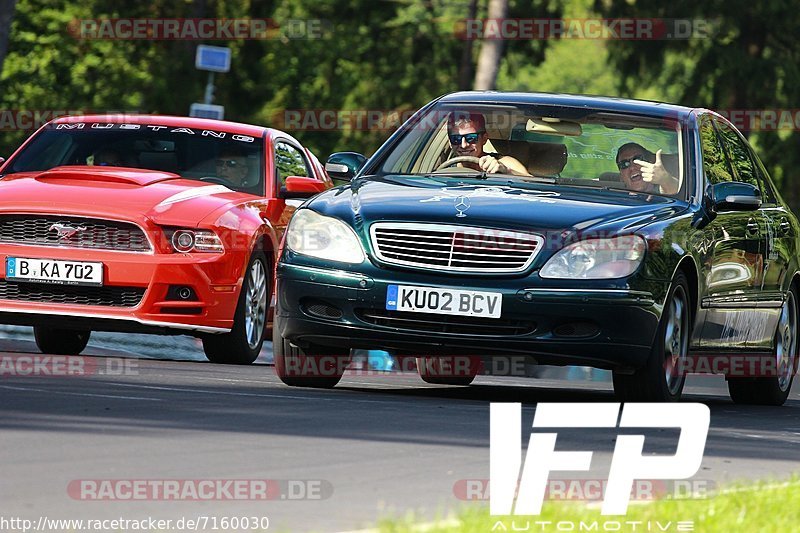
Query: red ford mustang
148	224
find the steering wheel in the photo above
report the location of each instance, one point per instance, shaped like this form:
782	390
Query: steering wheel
220	181
459	159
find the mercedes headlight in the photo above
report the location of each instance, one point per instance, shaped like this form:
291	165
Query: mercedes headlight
616	257
324	237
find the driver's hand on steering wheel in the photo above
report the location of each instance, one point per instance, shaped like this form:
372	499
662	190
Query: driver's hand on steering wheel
491	165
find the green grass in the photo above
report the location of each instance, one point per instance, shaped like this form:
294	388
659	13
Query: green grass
773	508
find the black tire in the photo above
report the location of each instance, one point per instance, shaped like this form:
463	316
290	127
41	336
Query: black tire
242	344
661	379
774	390
60	341
319	367
448	370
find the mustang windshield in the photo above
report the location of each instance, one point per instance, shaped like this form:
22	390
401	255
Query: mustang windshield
207	155
571	146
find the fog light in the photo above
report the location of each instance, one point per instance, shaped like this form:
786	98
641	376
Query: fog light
181	293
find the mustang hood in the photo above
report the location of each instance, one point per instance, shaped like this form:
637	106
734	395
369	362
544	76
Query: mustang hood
113	192
507	204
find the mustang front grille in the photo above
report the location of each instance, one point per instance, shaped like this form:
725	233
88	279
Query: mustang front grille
71	294
73	232
454	248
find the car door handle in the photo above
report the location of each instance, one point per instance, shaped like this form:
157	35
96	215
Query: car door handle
752	227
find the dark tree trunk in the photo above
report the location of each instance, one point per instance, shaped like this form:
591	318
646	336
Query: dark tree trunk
7	8
491	51
465	71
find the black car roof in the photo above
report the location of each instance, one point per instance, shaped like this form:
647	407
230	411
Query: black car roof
603	103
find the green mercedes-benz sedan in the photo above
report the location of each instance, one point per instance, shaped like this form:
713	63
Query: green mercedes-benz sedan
632	236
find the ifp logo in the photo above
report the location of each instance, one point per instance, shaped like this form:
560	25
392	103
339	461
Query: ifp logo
627	464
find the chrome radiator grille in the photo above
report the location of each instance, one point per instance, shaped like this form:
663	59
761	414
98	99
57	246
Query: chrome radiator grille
74	232
454	248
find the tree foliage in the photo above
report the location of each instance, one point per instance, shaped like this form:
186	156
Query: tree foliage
383	55
748	59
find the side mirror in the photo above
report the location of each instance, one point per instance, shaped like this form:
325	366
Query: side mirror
344	165
735	196
301	187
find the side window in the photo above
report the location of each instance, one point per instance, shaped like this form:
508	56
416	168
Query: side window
739	155
765	184
715	164
767	189
289	161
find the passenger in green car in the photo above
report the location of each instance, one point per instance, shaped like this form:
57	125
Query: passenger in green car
644	171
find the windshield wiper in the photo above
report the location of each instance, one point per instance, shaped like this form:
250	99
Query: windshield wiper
535	179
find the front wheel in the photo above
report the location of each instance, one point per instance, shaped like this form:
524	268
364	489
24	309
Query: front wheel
60	341
315	366
243	344
662	378
773	390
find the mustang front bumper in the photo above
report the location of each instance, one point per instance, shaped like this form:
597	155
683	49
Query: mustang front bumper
137	295
607	326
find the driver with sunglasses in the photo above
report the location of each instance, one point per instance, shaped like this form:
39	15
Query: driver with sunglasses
642	170
232	166
467	134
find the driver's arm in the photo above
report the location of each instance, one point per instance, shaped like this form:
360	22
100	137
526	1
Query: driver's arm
514	166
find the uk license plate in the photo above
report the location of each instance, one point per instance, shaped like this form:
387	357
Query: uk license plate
444	301
54	271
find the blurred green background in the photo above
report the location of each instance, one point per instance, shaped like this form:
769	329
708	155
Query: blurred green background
397	55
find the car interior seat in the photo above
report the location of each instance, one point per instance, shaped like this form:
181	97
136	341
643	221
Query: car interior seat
540	158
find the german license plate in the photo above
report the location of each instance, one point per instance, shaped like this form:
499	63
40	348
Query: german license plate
444	301
54	271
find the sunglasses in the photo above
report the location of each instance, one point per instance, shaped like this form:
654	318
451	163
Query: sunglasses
230	163
625	163
471	138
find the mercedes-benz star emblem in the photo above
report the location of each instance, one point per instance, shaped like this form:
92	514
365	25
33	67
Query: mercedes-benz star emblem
462	204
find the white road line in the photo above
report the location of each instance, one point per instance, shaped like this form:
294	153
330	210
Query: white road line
51	391
343	396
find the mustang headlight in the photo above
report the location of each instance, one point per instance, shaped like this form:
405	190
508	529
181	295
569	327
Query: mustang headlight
195	240
324	237
616	257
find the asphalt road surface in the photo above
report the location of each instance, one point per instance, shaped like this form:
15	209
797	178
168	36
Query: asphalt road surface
377	446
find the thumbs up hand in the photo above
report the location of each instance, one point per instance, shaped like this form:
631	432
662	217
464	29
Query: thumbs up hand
655	172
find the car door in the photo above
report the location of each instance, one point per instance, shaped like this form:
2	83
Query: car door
780	241
735	262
